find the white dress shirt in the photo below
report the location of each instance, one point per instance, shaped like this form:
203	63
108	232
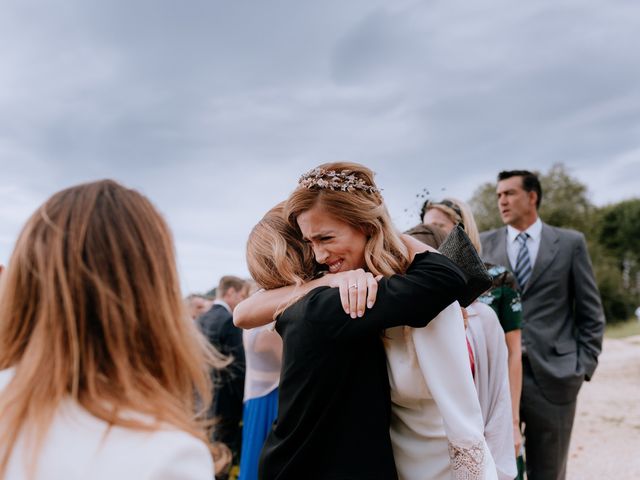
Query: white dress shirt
533	242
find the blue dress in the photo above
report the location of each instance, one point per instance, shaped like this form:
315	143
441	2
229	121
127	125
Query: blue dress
259	415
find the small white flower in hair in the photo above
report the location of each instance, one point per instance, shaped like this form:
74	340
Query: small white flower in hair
345	181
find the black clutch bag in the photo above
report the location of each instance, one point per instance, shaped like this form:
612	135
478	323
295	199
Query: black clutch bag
458	248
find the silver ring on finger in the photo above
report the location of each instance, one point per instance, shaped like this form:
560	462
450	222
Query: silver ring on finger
353	285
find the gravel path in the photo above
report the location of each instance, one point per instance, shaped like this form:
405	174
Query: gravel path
606	434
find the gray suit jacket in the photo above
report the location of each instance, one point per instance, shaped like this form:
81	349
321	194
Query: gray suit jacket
563	322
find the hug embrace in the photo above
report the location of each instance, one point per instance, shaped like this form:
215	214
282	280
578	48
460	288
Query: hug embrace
375	381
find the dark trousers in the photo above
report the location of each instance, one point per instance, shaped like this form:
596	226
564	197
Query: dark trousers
547	430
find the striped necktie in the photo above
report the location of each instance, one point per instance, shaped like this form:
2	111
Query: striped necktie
523	262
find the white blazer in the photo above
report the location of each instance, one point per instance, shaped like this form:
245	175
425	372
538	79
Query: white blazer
437	429
79	446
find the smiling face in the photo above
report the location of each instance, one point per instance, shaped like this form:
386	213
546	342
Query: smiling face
517	206
335	243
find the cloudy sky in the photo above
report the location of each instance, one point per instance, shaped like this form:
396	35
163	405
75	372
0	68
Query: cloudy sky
214	108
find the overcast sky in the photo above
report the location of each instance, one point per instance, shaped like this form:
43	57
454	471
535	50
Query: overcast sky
214	108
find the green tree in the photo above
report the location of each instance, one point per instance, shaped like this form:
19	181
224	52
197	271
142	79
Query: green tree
565	201
619	229
619	235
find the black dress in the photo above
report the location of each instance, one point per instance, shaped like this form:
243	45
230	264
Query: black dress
334	399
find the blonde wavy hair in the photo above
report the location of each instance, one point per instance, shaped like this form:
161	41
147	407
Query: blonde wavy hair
385	253
276	257
465	216
90	309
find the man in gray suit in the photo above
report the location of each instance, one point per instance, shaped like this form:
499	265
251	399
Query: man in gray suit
563	322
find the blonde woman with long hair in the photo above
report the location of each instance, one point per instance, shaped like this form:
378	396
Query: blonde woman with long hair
335	393
102	374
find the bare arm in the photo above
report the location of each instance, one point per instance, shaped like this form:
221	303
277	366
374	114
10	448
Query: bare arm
259	308
357	288
515	381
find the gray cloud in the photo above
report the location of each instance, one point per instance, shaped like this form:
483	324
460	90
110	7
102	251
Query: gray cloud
214	108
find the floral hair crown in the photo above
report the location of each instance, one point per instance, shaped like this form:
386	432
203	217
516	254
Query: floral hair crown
345	181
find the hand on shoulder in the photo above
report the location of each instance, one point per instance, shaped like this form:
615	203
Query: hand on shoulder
358	290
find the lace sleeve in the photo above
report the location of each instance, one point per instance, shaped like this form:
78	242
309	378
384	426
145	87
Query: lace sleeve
467	463
444	361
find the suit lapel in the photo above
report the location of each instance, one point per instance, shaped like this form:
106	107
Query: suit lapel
546	253
502	257
494	248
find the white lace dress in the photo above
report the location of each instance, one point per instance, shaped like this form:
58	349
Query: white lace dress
437	428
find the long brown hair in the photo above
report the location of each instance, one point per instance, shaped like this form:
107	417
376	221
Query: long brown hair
384	254
91	309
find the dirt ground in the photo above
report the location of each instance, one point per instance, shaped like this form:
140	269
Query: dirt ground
606	434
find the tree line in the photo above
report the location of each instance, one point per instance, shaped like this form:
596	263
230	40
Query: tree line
612	232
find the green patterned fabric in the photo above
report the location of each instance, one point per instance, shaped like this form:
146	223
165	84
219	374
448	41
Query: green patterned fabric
504	298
